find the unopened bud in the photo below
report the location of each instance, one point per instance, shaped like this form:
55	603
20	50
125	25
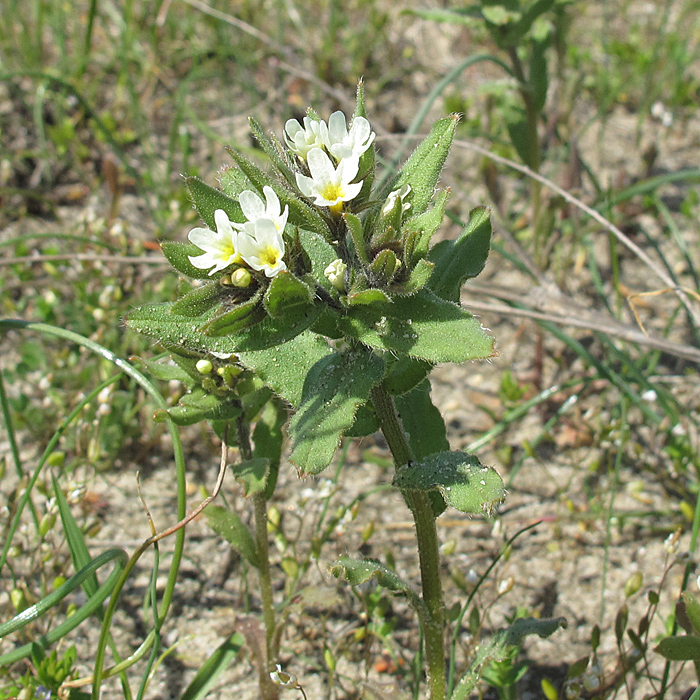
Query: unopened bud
204	366
241	277
335	273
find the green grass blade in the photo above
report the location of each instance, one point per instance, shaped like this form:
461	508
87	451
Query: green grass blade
217	663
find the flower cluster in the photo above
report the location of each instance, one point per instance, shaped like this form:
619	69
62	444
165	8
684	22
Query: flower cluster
328	155
257	243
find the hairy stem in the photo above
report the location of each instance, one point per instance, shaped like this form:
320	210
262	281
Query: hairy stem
426	534
268	689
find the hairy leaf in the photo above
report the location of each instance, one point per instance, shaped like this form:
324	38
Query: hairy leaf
334	388
178	255
462	480
228	525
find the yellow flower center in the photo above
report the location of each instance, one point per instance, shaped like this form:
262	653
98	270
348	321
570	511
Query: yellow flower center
332	192
269	256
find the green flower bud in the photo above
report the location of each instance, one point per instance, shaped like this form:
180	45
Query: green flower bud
204	366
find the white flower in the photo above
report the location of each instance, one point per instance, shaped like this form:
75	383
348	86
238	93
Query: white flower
343	143
302	139
254	209
220	247
262	247
329	186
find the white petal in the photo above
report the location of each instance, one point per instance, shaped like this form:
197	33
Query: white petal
251	204
337	127
322	170
305	185
273	207
347	168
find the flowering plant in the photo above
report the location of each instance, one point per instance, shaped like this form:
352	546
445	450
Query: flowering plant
319	289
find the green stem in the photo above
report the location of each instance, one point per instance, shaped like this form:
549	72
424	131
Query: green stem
268	689
428	550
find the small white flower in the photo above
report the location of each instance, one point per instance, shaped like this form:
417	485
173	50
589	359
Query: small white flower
391	200
301	139
280	677
329	186
343	143
335	274
220	247
254	209
263	247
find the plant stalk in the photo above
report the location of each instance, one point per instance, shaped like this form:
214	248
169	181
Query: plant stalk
428	550
262	545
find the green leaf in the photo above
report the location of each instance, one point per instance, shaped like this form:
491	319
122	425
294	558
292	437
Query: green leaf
199	300
334	388
422	325
233	181
461	259
422	170
358	238
426	431
76	541
692	609
287	294
538	80
228	525
252	474
384	266
358	572
525	626
268	439
321	253
178	255
164	371
236	318
458	16
368	296
199	405
422	421
366	423
419	277
208	199
157	322
405	373
421	229
516	123
685	648
284	367
273	149
461	479
213	667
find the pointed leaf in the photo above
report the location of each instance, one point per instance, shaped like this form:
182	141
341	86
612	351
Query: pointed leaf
423	227
461	259
235	319
355	228
213	667
422	170
421	325
284	367
178	255
198	406
228	525
208	199
199	300
525	626
157	322
461	479
273	149
358	572
252	474
287	294
269	438
418	278
366	423
233	181
333	390
163	370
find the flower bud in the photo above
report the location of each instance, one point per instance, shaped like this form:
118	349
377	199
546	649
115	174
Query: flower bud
204	366
335	273
241	277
